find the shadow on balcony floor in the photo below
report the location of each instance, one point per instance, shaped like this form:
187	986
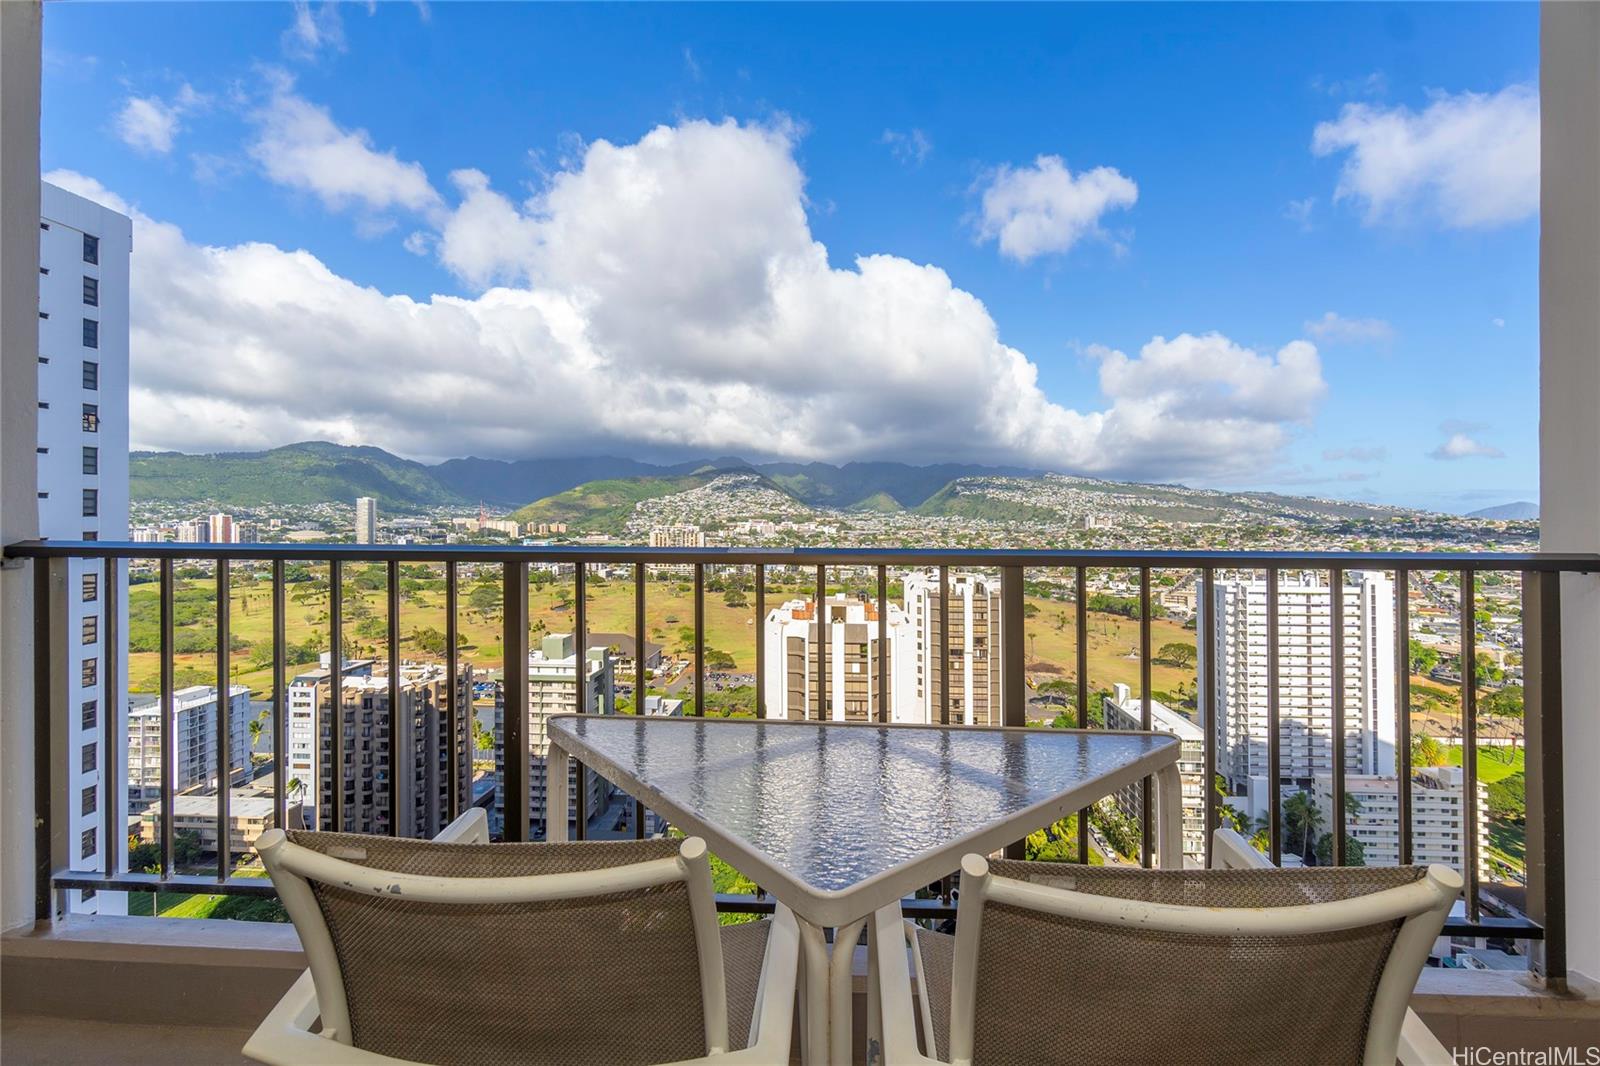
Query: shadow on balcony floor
35	1038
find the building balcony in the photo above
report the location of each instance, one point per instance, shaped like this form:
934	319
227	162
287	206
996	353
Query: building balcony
258	960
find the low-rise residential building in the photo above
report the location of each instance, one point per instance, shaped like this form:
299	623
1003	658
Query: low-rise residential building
249	815
1438	818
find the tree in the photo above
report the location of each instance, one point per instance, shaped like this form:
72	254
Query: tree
1425	751
485	599
1354	851
1183	656
1423	658
1507	702
1487	670
717	659
735	598
1303	821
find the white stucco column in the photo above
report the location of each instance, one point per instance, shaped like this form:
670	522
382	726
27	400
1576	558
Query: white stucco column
19	433
1569	427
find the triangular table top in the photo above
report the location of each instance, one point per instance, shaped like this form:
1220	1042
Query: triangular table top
838	820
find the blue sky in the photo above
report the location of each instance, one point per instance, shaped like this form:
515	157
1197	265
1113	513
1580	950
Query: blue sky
1283	247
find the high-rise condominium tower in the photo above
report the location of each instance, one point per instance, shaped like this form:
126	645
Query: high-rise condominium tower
552	689
366	520
853	680
1307	728
417	762
972	603
84	250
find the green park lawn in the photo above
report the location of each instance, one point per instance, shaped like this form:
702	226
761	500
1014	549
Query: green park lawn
1494	764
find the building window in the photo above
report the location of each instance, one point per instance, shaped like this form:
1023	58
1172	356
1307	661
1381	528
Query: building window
89	534
91	672
91	459
91	503
89	761
89	801
91	628
91	418
91	374
91	249
91	291
86	844
91	333
90	715
91	587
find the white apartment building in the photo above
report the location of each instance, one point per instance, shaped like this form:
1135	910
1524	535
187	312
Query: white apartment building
552	689
84	252
685	536
1438	820
190	745
1238	640
366	520
1123	710
974	667
854	631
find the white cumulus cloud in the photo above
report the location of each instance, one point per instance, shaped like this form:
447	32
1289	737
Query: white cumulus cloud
666	296
151	123
1043	208
298	144
1466	160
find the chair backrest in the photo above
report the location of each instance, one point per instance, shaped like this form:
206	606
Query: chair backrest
1116	965
603	952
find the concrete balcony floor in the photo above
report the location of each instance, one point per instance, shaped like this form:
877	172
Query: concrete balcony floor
49	1041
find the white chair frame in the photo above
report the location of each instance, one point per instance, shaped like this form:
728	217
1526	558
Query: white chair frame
287	1037
1421	907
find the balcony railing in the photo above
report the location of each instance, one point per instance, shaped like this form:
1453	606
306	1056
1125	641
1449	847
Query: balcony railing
57	870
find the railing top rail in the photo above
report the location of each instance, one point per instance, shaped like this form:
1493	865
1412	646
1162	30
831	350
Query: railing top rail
1575	562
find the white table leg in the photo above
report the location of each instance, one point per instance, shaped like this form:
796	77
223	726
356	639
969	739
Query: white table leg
813	993
841	1013
1169	824
827	1030
555	793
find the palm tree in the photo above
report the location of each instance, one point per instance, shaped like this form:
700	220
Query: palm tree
1305	818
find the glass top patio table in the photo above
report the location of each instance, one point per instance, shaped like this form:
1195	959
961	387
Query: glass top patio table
839	819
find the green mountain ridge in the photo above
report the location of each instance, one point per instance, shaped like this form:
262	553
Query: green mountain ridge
604	506
308	473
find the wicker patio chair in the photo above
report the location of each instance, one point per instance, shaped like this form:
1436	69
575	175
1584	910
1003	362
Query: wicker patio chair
446	952
1109	965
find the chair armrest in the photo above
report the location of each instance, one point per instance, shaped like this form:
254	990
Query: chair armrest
897	1007
1418	1045
1230	851
284	1038
470	827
